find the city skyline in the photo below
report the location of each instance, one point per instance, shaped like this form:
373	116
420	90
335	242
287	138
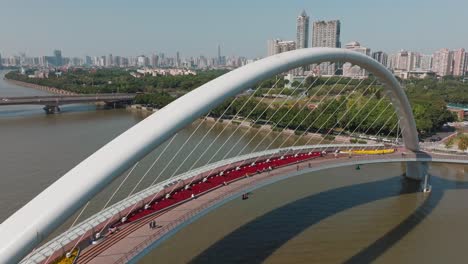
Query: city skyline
47	26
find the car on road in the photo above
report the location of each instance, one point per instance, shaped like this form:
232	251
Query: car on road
5	99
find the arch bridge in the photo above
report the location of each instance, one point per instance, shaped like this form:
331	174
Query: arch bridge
26	228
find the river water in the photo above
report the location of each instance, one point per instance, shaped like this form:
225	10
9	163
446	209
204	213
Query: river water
333	216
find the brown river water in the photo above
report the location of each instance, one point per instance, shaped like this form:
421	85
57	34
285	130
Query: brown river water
332	216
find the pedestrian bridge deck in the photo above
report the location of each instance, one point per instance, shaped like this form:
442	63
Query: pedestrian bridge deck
136	237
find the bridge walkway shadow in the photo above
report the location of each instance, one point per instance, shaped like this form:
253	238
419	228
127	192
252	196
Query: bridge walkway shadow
264	238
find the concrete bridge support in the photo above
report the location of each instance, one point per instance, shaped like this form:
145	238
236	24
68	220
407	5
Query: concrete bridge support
416	170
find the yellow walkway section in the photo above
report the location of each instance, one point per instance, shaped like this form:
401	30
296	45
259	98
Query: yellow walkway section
370	151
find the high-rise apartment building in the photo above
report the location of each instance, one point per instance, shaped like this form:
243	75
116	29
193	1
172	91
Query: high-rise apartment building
466	63
271	46
154	60
109	61
442	62
58	58
277	46
381	57
326	34
425	62
302	31
355	71
406	61
459	62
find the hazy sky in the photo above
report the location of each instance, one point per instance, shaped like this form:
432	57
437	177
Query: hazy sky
242	27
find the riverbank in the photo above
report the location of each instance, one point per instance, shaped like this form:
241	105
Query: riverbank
312	137
48	89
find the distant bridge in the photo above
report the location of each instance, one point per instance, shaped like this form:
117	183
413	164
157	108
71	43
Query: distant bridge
52	103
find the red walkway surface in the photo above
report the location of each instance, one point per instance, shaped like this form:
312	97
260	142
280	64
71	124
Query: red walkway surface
140	217
216	180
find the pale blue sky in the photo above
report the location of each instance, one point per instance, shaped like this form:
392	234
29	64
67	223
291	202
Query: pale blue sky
242	27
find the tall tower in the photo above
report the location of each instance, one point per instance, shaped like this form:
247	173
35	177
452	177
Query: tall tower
177	59
58	58
302	31
219	55
442	62
459	62
327	34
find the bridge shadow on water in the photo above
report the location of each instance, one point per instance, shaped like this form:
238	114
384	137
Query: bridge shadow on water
268	232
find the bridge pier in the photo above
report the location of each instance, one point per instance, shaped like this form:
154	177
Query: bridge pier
51	109
416	170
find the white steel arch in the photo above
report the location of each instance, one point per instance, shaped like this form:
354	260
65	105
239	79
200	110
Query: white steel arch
25	229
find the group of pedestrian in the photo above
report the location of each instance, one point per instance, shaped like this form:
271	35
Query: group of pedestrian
152	224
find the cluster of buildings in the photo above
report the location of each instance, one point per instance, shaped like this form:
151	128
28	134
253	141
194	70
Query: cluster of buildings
162	72
405	64
159	60
443	62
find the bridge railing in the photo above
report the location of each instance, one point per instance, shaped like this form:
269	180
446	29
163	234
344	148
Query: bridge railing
174	224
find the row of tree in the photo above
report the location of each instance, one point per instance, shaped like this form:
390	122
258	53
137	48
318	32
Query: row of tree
428	98
117	80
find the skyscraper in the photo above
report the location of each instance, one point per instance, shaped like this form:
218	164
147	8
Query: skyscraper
154	60
459	62
58	58
277	46
442	62
355	71
426	62
109	61
381	57
302	31
327	34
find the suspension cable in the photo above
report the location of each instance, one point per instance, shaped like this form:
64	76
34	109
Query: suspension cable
322	86
219	134
320	114
341	118
258	119
235	130
297	114
349	122
245	103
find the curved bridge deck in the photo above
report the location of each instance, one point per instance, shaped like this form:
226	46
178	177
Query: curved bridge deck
134	238
137	237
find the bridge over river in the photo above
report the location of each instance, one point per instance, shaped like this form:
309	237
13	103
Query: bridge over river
52	103
121	233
